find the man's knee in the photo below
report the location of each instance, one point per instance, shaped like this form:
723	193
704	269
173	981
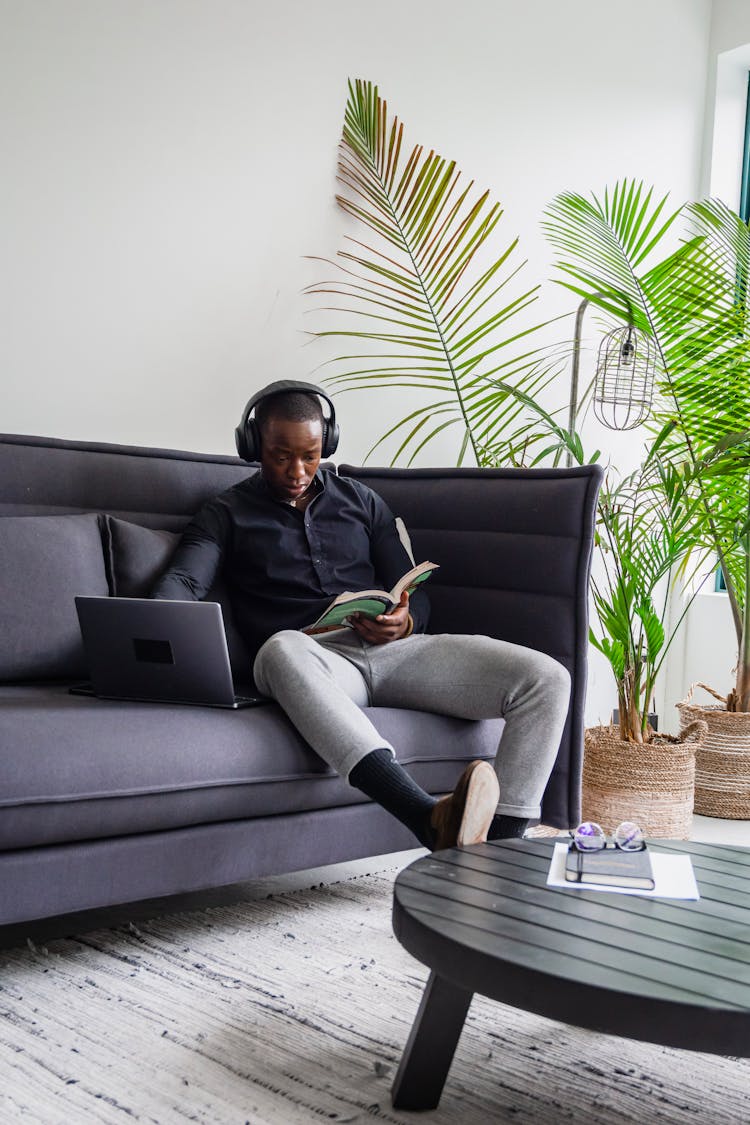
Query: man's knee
278	652
540	671
555	675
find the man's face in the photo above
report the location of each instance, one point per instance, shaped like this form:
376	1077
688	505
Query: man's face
290	455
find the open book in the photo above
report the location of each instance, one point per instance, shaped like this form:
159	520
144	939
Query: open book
370	603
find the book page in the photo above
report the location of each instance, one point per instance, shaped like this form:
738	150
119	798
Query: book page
412	579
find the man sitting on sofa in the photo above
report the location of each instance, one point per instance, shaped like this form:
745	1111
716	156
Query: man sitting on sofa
292	537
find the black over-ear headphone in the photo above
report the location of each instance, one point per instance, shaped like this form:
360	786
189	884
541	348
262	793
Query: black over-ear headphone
247	434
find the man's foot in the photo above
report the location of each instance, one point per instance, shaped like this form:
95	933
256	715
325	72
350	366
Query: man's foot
464	816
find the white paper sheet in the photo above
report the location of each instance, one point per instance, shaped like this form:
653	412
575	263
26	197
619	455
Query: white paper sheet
673	875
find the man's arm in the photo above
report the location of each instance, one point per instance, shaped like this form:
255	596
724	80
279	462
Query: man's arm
197	559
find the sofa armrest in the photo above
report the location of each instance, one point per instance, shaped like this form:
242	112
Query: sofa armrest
514	547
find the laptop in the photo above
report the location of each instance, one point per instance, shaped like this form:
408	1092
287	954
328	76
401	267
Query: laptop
156	651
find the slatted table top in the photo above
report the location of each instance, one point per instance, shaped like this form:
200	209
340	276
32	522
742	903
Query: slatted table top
662	970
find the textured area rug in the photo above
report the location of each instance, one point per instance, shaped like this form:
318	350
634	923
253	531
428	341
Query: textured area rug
295	1009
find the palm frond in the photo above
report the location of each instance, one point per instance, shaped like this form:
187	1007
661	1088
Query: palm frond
428	291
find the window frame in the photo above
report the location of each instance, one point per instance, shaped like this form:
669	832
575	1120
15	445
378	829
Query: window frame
745	180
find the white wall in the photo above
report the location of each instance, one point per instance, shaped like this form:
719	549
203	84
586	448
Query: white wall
730	25
168	163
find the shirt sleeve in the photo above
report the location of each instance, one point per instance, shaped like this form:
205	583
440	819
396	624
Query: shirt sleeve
391	560
197	559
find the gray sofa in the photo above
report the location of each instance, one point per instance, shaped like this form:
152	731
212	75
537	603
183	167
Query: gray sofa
104	803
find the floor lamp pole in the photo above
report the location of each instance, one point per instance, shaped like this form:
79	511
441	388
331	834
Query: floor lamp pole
573	408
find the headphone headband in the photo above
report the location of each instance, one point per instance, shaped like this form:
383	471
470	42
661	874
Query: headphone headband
247	434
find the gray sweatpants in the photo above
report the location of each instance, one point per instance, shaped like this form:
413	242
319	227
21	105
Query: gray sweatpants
322	683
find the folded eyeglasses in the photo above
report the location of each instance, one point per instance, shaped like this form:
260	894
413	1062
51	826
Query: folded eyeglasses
591	837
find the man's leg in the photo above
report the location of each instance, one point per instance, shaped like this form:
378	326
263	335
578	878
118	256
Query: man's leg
322	692
476	677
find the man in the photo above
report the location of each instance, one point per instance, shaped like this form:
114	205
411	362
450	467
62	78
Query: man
292	537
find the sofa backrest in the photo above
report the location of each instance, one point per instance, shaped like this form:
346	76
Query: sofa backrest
153	487
513	545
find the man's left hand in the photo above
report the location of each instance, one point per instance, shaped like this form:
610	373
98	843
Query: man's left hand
385	627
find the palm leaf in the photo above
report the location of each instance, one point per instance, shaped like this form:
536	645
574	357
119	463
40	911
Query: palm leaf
427	291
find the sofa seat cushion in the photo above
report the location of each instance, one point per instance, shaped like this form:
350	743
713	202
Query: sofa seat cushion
76	768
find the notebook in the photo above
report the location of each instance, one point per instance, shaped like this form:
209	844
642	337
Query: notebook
158	652
610	867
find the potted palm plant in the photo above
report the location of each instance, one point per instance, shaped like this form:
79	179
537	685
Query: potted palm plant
693	305
644	533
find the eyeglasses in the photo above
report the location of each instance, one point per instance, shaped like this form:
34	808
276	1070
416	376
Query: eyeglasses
591	837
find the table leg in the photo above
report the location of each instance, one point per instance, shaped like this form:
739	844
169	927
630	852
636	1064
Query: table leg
429	1052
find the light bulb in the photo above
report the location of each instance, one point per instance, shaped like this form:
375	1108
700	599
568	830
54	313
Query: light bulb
627	353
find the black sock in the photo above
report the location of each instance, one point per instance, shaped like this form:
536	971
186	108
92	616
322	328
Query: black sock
507	827
381	777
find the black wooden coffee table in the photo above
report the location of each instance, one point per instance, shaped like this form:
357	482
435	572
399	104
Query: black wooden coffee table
661	970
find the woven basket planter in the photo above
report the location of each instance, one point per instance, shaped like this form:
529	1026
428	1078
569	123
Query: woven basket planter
722	764
650	784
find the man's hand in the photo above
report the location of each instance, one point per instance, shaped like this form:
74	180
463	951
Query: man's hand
385	627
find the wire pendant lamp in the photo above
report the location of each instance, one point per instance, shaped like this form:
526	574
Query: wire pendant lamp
624	381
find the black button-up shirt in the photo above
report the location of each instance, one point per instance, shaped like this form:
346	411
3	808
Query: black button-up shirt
282	566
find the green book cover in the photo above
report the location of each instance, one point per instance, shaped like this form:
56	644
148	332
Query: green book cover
371	603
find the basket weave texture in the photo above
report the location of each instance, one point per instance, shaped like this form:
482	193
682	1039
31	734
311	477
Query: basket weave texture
722	764
651	784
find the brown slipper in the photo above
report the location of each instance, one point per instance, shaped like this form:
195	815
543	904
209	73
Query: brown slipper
465	815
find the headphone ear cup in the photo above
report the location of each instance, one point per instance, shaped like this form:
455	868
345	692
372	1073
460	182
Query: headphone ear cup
247	440
252	440
330	439
239	441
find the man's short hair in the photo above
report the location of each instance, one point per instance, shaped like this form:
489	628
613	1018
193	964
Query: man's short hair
292	406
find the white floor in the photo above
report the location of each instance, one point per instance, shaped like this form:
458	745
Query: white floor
711	830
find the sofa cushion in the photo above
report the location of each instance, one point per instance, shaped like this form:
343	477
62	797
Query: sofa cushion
85	769
137	555
44	562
